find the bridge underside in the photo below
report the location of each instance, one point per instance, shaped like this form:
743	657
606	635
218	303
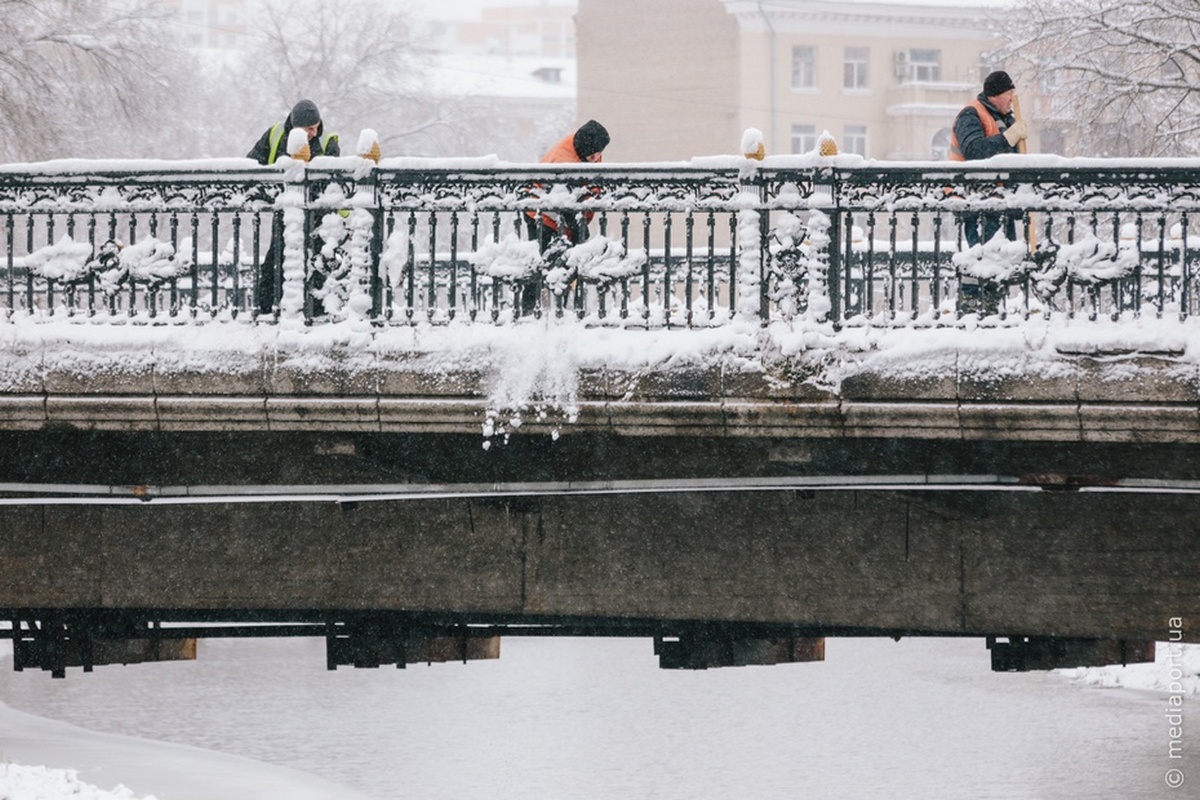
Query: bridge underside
677	539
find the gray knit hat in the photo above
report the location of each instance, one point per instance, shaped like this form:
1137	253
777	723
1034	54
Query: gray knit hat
305	113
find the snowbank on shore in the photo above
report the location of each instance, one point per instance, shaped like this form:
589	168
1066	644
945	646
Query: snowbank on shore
41	759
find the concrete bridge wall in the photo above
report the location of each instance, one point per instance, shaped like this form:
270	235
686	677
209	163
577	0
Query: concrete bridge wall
1031	563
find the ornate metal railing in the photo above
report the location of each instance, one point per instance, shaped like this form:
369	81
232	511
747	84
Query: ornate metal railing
837	241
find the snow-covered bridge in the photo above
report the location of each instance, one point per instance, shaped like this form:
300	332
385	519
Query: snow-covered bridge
750	407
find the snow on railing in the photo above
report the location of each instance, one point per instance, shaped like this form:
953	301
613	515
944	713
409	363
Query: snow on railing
803	239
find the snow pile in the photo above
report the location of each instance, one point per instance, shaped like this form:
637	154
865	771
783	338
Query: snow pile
510	259
1175	671
603	260
42	783
997	259
65	260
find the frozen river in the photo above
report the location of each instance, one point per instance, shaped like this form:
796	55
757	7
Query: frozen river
597	719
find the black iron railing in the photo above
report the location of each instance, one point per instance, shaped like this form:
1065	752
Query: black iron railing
831	241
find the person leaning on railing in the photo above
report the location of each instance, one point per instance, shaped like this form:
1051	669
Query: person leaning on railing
564	227
269	147
986	127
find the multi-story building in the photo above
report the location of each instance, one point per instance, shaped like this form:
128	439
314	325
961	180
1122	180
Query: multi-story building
673	79
545	29
212	24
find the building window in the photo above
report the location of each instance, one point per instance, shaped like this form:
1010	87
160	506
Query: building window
939	148
1050	81
919	66
804	138
855	68
1053	140
804	67
854	140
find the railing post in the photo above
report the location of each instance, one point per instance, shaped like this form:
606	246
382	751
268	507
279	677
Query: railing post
833	283
294	203
752	243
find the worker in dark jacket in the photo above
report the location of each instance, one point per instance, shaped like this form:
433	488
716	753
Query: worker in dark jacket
273	143
986	127
269	147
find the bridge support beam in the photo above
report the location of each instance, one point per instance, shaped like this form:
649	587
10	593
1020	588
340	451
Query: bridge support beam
373	643
1026	653
705	651
57	642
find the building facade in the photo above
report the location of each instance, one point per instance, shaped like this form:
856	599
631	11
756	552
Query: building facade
674	79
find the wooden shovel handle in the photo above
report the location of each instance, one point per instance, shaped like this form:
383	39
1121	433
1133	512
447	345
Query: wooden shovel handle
1017	115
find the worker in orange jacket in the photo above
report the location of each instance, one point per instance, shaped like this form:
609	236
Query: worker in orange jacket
585	145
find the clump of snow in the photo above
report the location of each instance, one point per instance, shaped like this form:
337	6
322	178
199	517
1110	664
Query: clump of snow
368	140
997	259
1091	260
604	260
65	260
394	257
297	144
511	258
42	783
752	143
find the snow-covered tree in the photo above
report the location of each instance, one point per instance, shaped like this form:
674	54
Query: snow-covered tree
87	79
364	62
1125	72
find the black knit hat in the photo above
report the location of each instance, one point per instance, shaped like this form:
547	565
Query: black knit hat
997	84
591	138
305	113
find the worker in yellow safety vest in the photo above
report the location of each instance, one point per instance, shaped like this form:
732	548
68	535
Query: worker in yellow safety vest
304	115
269	147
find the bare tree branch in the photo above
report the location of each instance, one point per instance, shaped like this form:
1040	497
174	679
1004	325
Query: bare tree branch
1128	70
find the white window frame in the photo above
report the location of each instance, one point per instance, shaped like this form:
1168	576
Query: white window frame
854	140
804	138
924	65
854	69
804	67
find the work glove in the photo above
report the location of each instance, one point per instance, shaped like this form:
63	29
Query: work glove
1017	132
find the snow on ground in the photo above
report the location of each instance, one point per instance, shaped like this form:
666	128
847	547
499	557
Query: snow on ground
41	759
42	783
1176	671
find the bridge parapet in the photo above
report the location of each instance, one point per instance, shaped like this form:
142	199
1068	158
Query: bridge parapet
698	244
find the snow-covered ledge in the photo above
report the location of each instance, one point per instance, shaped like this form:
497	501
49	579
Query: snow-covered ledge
1058	380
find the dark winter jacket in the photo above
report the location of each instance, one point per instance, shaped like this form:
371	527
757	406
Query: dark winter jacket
273	143
973	137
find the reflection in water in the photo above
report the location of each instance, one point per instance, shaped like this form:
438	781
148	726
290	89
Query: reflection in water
598	719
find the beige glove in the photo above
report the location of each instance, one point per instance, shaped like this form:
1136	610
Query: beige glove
1017	132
